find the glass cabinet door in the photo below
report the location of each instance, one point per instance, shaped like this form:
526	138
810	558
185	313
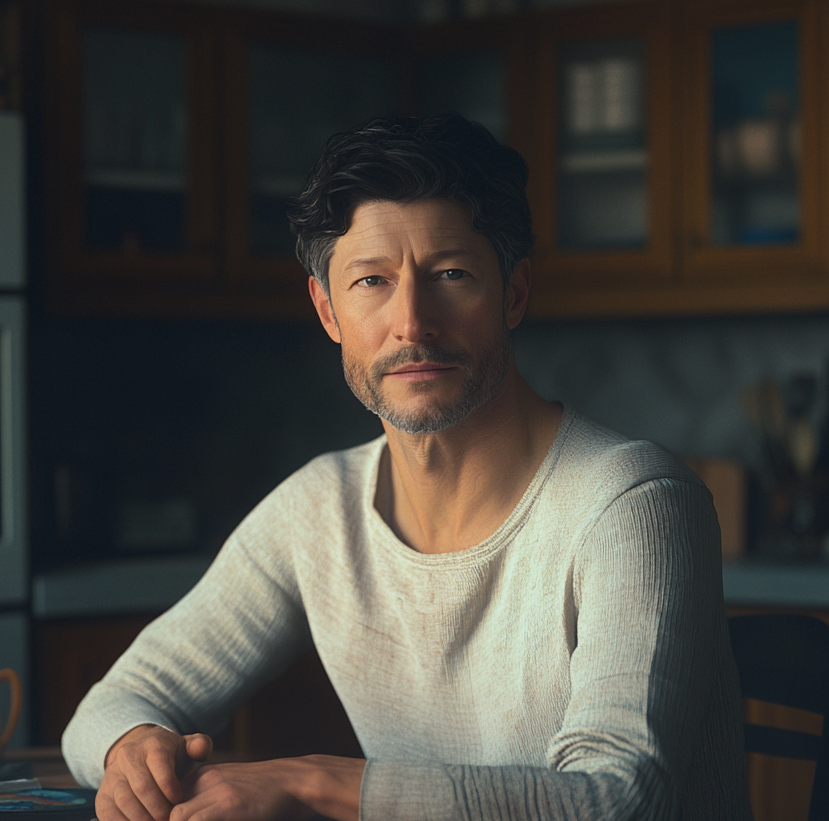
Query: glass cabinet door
601	172
756	135
602	194
751	182
134	127
297	99
130	135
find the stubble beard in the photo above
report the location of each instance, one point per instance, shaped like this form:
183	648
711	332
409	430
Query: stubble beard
482	379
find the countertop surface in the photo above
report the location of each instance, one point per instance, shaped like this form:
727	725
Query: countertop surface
136	585
152	584
776	585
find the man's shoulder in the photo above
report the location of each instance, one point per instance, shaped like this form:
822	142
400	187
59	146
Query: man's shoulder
601	460
324	492
331	474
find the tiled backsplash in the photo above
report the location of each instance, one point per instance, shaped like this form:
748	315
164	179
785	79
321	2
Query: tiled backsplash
136	415
675	381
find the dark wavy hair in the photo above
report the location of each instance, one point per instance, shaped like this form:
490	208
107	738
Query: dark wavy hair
400	159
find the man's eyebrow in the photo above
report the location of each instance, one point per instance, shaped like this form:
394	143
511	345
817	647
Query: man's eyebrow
367	262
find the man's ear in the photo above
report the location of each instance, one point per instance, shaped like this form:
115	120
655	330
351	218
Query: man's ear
518	294
323	305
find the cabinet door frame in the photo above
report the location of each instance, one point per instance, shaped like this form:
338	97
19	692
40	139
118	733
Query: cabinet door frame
560	270
759	265
75	272
280	280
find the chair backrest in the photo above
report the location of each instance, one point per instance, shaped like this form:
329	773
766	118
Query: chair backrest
784	659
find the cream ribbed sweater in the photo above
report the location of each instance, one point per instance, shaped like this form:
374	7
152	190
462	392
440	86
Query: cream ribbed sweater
575	665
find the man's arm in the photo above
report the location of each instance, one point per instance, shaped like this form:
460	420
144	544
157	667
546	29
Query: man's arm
238	628
646	675
287	788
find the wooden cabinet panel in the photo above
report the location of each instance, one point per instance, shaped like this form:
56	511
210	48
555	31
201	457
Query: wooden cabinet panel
106	144
685	269
68	658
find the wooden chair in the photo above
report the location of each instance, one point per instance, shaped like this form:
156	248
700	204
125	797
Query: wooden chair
784	659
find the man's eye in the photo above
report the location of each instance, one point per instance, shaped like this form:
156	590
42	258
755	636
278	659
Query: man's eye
454	273
370	282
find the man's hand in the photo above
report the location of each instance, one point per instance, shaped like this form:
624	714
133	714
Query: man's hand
143	771
286	789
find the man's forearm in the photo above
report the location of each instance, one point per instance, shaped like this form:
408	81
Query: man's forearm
288	788
330	785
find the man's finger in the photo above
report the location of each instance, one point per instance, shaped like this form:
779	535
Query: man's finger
198	746
162	786
130	805
187	764
204	805
145	780
106	809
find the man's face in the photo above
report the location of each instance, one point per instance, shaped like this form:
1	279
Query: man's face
417	303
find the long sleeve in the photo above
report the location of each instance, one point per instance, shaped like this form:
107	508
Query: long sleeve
240	626
649	662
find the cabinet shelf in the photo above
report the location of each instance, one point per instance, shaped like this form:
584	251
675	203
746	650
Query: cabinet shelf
598	162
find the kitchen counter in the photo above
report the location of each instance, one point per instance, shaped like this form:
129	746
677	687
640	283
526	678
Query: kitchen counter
776	585
152	584
134	585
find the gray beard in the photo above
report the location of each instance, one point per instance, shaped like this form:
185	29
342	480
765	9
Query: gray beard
483	378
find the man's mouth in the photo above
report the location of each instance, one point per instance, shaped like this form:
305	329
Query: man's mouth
421	366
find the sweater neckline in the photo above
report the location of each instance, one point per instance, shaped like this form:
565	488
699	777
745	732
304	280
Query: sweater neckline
474	554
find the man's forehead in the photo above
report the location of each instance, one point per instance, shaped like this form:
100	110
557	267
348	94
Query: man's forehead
386	222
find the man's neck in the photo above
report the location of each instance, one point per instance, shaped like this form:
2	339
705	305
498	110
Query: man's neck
448	491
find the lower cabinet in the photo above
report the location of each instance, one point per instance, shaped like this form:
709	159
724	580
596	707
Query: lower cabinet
298	714
68	657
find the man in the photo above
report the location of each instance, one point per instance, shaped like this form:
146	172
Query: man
521	611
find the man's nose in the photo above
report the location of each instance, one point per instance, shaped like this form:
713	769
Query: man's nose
413	312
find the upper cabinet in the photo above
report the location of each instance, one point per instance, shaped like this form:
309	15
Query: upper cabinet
285	92
175	137
603	176
751	160
675	148
131	153
677	159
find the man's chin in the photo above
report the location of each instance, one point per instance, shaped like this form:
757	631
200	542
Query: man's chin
419	426
423	420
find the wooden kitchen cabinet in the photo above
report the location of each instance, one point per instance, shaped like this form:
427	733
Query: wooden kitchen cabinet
669	174
174	135
297	714
603	176
733	190
287	88
68	657
752	191
130	151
